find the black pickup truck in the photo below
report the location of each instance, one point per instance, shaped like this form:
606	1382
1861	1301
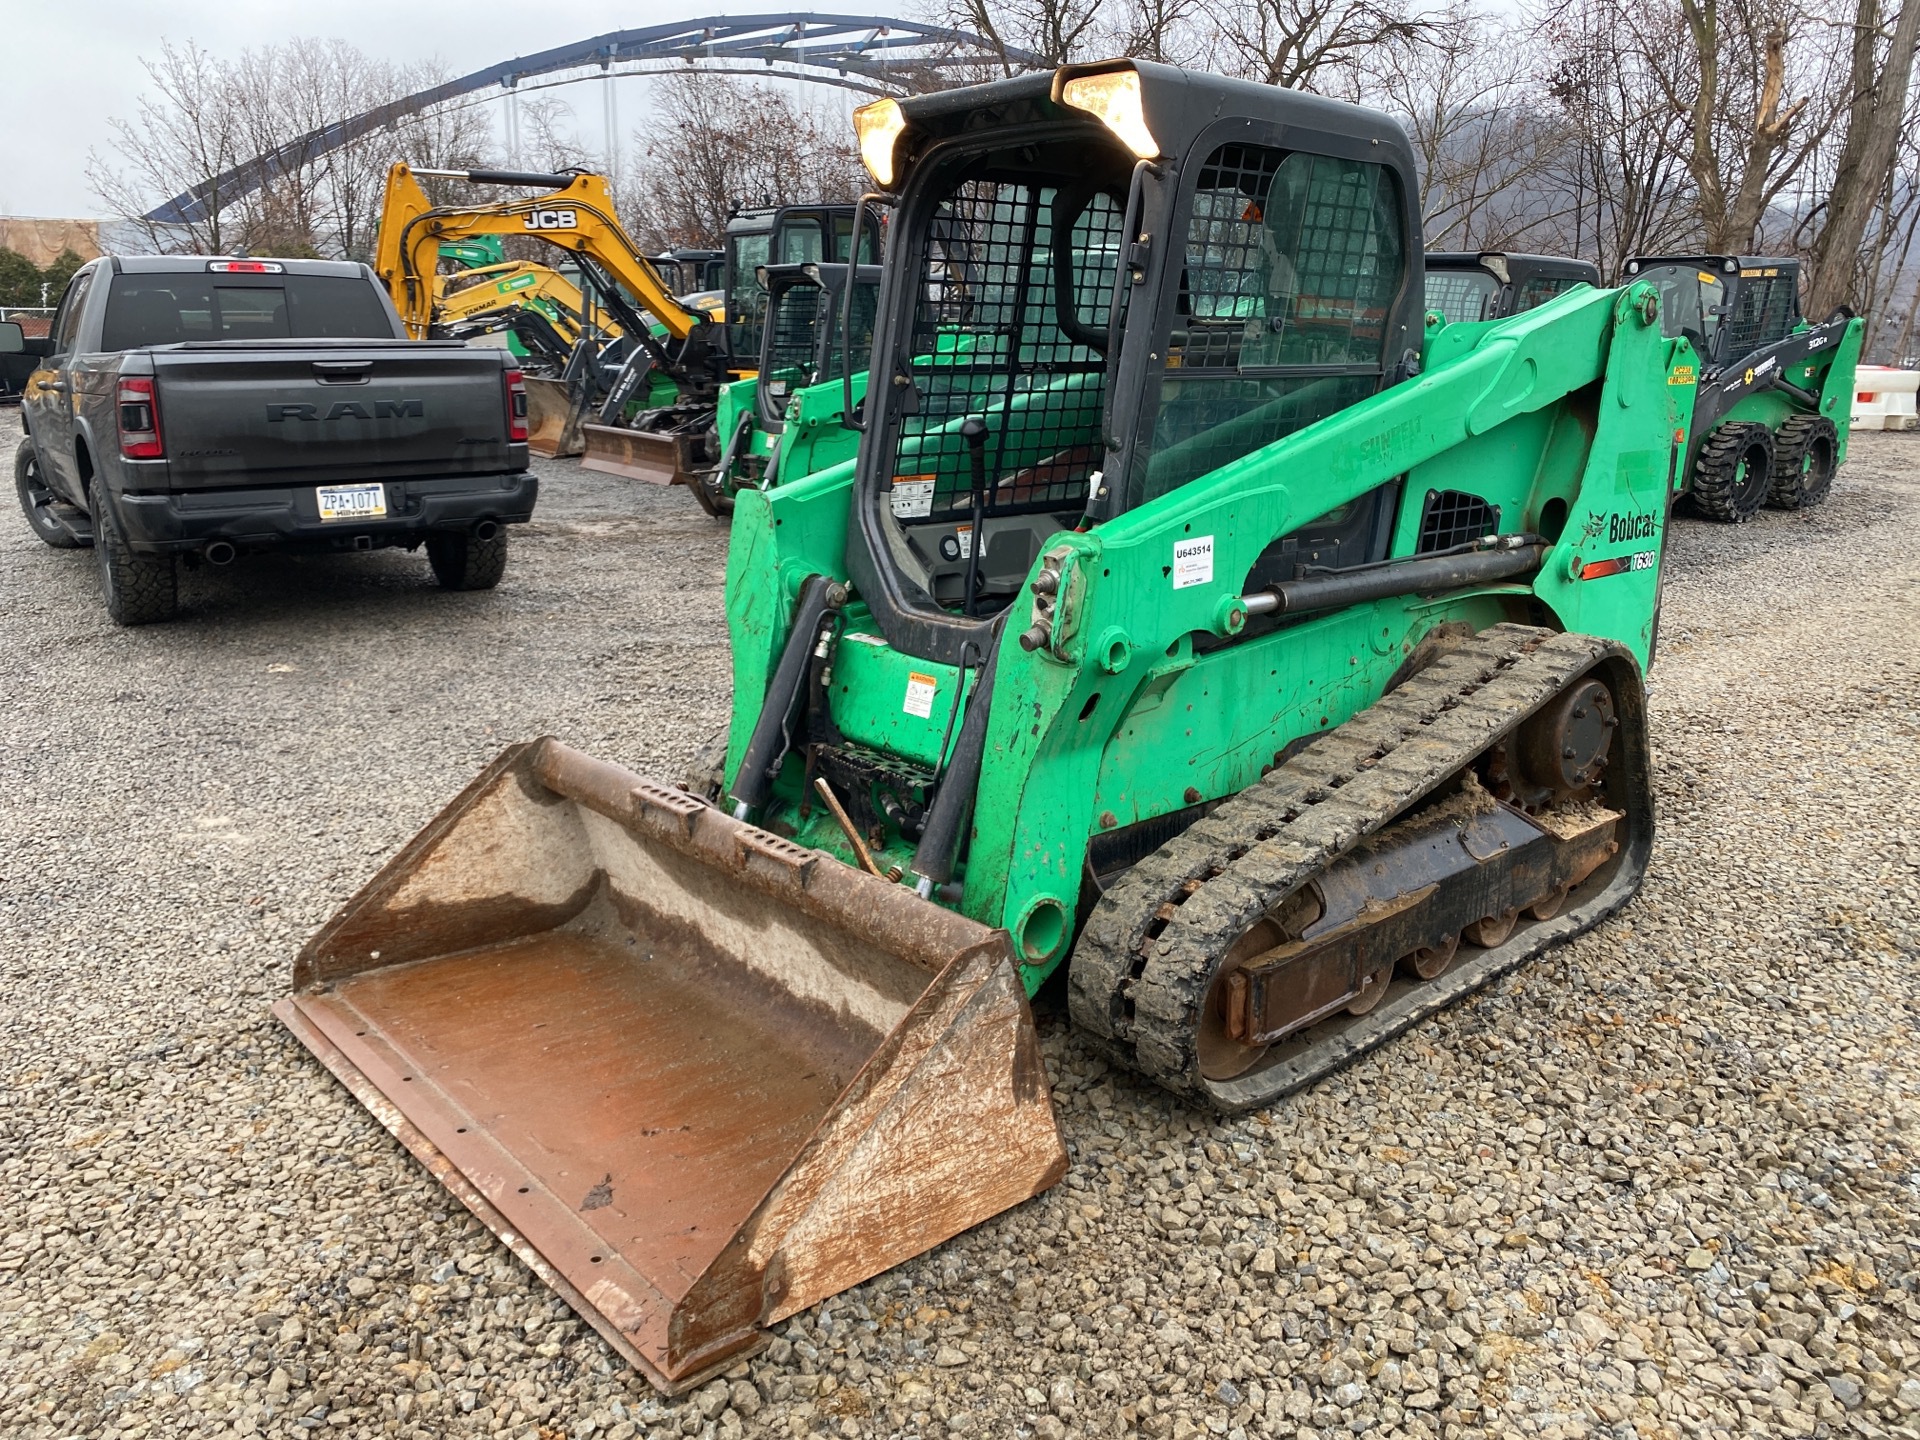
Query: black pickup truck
190	410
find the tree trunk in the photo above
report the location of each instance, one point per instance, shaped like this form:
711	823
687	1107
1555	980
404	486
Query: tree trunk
1876	107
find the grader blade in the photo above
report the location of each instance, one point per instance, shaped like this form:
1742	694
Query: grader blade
553	419
696	1076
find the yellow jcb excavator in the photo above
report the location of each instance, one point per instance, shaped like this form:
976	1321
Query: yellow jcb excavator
576	213
540	307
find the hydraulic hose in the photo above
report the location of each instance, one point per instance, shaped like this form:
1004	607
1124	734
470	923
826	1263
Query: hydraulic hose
772	734
951	813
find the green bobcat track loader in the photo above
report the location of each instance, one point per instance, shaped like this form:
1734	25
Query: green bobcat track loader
1774	402
1202	627
1491	285
788	420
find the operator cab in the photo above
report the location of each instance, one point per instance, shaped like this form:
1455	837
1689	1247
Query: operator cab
691	271
1727	305
1491	285
802	344
1046	360
782	235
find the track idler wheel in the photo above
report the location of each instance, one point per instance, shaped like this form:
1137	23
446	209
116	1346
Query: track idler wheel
1564	748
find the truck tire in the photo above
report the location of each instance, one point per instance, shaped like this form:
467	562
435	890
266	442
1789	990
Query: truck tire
1733	473
1806	452
37	501
462	562
139	589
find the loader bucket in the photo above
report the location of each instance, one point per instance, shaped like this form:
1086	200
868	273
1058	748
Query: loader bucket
553	421
660	458
696	1076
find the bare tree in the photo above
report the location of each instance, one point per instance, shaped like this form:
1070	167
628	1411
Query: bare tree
1165	30
1879	77
187	130
1309	44
206	117
720	144
1621	173
1056	30
1485	144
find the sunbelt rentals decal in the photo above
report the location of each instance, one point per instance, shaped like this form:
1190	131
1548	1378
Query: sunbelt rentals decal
1192	561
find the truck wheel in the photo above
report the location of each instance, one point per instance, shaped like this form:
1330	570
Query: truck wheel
1733	473
37	501
1805	455
139	589
462	562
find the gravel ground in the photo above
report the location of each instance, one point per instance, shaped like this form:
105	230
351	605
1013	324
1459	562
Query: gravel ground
1663	1182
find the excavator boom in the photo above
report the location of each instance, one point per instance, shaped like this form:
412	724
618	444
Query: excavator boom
578	214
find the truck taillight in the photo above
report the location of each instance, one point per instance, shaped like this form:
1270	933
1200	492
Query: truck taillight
139	420
516	406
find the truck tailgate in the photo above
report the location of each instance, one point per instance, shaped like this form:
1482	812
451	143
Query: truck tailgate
253	412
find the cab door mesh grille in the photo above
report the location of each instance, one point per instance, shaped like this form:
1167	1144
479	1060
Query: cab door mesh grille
988	341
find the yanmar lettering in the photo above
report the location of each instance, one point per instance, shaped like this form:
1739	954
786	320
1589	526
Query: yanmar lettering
1642	526
352	409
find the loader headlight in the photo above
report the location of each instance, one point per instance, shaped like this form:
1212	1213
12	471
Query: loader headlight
879	127
1114	100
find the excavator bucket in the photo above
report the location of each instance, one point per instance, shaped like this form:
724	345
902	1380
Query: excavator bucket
659	458
553	420
696	1076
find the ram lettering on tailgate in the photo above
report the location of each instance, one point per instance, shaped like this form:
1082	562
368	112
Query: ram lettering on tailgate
380	410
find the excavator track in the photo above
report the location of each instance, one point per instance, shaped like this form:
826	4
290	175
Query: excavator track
1145	972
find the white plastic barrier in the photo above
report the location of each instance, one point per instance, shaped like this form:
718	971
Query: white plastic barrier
1883	398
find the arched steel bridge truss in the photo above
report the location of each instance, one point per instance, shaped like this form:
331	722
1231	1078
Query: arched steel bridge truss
877	55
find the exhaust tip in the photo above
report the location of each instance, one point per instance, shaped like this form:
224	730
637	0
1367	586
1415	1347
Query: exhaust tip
485	530
220	552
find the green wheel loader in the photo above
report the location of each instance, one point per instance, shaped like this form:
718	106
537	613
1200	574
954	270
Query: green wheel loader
1775	394
1203	627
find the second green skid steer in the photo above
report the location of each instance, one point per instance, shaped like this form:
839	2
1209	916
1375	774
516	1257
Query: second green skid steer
1191	620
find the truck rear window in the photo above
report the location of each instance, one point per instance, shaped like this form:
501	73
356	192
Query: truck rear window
169	309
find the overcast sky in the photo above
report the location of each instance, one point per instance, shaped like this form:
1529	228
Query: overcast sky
71	65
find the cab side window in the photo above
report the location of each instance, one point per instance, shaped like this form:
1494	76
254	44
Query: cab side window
66	323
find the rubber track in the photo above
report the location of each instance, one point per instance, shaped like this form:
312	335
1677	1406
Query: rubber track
1141	968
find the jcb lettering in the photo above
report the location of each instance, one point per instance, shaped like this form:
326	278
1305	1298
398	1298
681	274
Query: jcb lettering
553	220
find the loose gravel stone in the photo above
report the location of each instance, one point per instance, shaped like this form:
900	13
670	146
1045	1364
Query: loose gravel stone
1660	1182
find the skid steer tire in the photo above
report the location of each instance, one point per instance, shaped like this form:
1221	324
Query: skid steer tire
139	589
462	562
1733	473
37	502
1805	455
